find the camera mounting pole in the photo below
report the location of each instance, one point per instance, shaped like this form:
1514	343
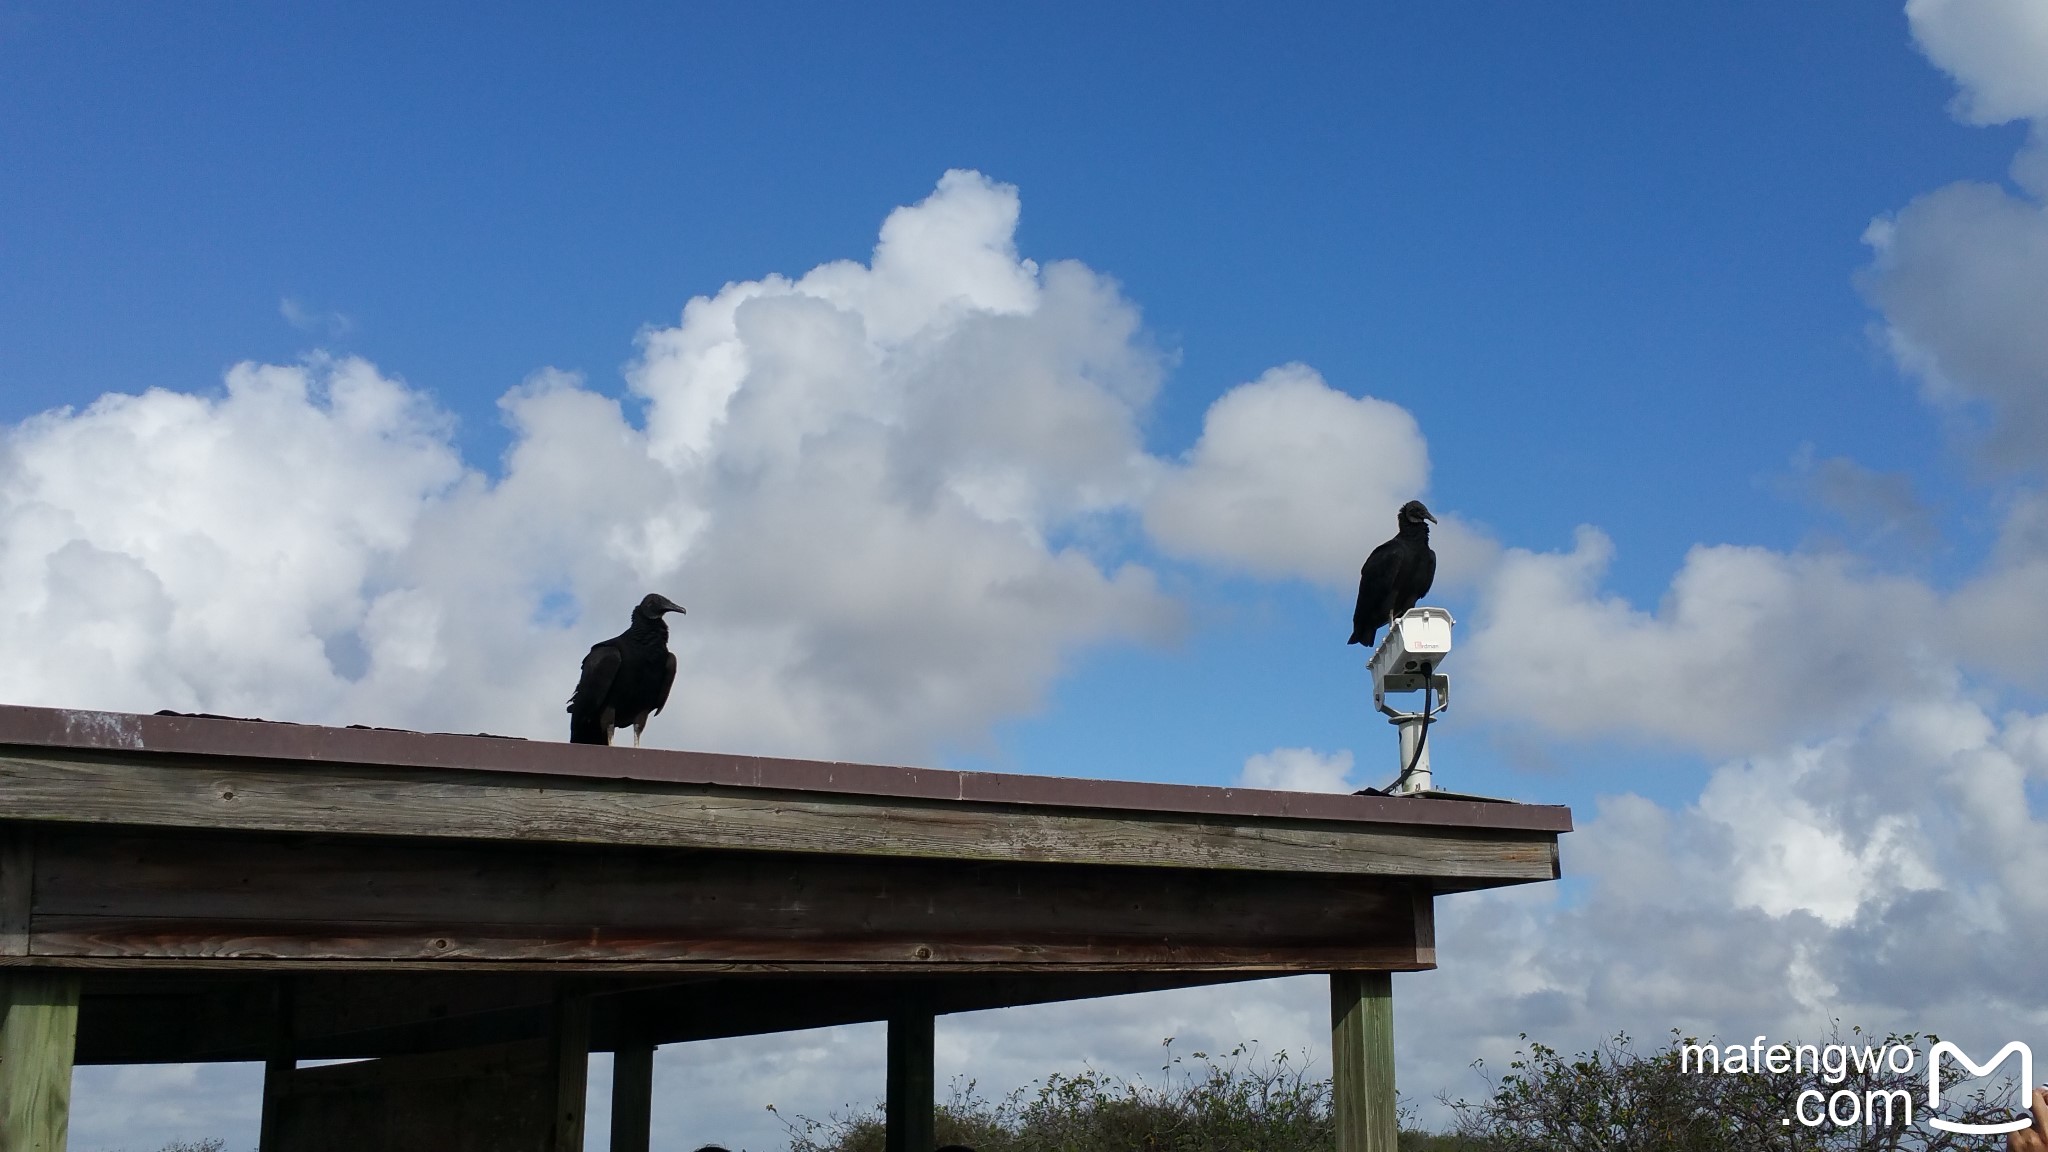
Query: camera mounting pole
1408	660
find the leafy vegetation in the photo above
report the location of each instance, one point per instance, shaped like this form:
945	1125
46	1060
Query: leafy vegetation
1614	1099
1236	1103
1610	1099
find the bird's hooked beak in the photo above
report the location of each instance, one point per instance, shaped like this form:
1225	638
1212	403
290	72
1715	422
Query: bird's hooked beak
1425	516
668	605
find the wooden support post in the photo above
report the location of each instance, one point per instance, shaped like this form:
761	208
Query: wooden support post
632	1098
278	1065
908	1110
1362	1061
37	1036
570	1035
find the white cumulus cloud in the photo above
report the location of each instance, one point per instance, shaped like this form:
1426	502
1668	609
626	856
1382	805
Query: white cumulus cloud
167	550
1961	276
1298	770
1961	273
1994	49
1887	876
866	483
896	496
1749	648
1291	478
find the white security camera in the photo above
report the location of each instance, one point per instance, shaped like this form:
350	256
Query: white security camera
1411	658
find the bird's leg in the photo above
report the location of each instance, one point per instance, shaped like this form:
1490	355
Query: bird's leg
637	729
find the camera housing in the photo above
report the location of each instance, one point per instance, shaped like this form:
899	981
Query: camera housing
1411	658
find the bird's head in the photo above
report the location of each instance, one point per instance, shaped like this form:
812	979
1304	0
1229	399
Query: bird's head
1414	513
655	605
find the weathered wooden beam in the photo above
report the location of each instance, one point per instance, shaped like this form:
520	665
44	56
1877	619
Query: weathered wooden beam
909	1105
1362	1061
202	947
107	897
322	799
220	739
36	1036
632	1098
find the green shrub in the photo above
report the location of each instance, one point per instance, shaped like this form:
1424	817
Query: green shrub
1238	1103
1615	1099
1610	1099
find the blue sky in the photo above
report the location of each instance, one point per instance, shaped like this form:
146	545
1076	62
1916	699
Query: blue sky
1616	262
1603	253
1580	244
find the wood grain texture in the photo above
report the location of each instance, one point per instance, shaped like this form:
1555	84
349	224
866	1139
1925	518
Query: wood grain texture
38	1031
569	1052
445	804
1362	1100
226	740
188	897
202	946
281	880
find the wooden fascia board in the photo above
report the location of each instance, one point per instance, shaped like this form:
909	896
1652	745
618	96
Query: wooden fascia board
198	793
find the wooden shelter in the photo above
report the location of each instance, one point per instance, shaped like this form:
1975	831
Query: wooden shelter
478	914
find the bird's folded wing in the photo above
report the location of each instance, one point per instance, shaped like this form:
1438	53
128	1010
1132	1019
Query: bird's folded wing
668	681
600	668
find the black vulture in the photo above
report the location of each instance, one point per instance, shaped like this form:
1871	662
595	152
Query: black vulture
1395	576
626	678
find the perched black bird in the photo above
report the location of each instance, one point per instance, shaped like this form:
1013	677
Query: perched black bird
626	678
1395	576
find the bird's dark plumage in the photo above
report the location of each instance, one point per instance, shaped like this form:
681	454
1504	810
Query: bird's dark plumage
625	679
1395	576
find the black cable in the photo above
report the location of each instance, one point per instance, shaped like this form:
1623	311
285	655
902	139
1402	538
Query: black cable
1421	741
